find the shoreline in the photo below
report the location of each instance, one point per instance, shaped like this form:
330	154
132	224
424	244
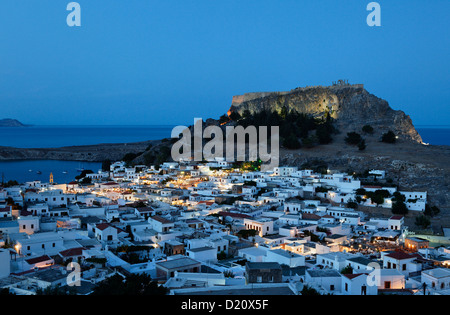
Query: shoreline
100	152
84	153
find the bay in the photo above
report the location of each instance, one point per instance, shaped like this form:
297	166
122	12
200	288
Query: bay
63	171
60	136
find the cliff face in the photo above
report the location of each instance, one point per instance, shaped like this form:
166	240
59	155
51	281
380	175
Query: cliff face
351	106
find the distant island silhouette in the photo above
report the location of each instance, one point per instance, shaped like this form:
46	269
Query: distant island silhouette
9	122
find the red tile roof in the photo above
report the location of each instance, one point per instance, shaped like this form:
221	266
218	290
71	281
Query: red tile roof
7	209
72	252
208	203
25	213
37	260
161	219
352	276
103	226
310	216
400	255
396	217
234	215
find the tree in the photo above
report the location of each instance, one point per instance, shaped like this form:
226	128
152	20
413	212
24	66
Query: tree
228	274
431	211
53	290
235	116
399	197
130	233
5	291
367	129
422	222
399	207
222	255
129	157
307	290
86	180
223	119
353	138
376	198
284	112
389	137
383	192
246	114
83	174
291	142
352	205
246	233
134	284
106	164
347	270
362	145
323	134
11	183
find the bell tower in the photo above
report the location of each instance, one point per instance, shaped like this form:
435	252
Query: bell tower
51	178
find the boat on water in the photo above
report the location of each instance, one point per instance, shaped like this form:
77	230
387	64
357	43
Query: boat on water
39	172
80	168
30	171
64	172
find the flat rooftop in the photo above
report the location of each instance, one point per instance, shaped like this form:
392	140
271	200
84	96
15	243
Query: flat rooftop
178	263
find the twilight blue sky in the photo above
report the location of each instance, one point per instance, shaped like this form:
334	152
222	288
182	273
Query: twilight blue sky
166	62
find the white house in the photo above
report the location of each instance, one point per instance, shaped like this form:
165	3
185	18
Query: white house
263	226
5	263
28	224
284	257
396	222
203	254
105	232
326	279
335	260
293	206
39	209
358	284
48	243
284	171
253	254
160	224
6	212
403	262
390	279
436	279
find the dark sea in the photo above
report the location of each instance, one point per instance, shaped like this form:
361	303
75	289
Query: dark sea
435	135
59	136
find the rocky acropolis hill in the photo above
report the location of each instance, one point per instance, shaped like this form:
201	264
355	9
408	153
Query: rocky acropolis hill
351	105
